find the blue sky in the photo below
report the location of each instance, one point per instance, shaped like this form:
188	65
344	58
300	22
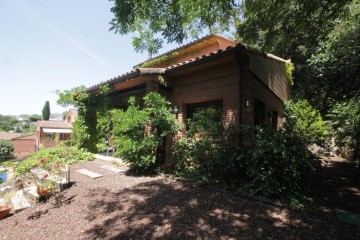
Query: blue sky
50	45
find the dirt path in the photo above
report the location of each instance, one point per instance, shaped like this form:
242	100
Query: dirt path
117	206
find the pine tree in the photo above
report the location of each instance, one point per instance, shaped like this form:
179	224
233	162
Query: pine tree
46	111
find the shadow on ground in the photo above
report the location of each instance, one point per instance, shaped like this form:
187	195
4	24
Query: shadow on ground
166	209
339	186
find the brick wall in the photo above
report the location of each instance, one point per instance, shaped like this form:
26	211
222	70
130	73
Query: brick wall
23	147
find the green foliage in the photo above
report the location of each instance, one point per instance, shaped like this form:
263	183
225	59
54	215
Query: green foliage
289	72
279	164
67	97
345	119
335	65
305	121
61	153
203	154
7	122
178	20
6	149
46	111
35	117
275	164
139	133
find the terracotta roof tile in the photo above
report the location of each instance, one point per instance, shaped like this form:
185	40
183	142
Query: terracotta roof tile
30	136
9	136
53	124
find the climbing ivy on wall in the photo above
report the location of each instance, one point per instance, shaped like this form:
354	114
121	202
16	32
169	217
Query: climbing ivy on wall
289	67
85	126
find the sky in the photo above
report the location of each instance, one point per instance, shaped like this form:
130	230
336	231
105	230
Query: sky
48	45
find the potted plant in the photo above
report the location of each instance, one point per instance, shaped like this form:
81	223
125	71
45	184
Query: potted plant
4	210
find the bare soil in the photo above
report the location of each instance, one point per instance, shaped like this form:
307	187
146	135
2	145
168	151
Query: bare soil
118	206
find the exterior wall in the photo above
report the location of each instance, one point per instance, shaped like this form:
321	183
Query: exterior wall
272	73
23	147
210	84
261	92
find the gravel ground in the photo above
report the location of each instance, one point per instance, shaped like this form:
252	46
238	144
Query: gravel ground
117	206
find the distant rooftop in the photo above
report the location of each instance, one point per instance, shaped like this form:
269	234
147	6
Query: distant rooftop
9	136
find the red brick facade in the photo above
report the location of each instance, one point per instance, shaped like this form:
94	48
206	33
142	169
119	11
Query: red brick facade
251	85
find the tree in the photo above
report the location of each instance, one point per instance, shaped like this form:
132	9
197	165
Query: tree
35	117
66	97
305	121
46	111
308	33
174	20
345	118
335	66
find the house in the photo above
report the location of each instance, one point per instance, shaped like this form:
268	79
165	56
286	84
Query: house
71	116
56	117
24	145
248	86
50	133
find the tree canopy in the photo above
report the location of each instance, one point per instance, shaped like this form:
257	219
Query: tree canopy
172	20
66	97
46	111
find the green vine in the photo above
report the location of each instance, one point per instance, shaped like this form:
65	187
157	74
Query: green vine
289	67
89	105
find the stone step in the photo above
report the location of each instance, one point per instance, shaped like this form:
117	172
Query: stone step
40	174
31	192
113	169
19	202
89	173
109	159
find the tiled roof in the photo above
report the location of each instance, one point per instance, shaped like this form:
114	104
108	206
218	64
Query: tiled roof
220	52
53	124
120	78
184	46
30	136
9	136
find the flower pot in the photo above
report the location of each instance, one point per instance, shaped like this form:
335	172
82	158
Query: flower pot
4	211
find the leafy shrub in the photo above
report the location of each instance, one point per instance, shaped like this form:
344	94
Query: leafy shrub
273	163
6	149
280	164
61	153
345	119
305	121
203	154
139	133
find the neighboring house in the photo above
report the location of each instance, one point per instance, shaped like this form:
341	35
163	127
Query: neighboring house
24	145
56	117
248	86
71	116
50	133
9	136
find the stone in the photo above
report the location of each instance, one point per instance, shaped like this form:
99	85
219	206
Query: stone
19	202
32	193
39	173
6	188
113	169
89	173
2	201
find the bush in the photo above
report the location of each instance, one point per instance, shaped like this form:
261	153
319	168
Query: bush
139	133
280	164
6	150
61	153
305	121
345	120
